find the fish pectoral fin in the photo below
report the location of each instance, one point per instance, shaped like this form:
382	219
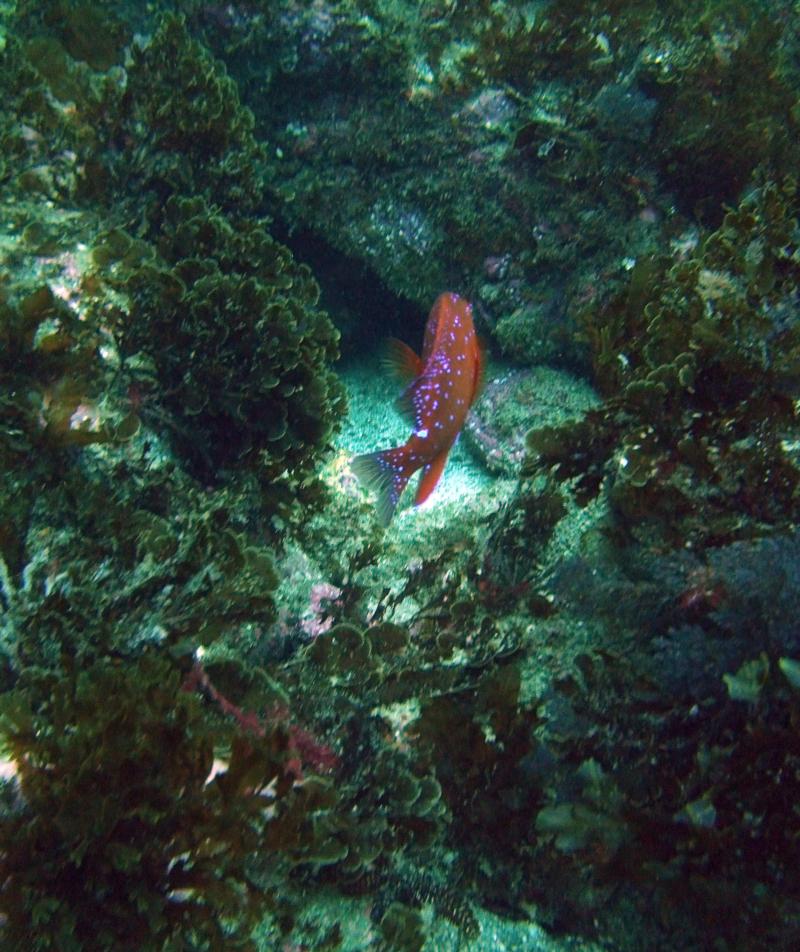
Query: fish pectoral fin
430	476
400	360
408	403
480	369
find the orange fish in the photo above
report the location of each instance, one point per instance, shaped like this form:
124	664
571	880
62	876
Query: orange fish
444	384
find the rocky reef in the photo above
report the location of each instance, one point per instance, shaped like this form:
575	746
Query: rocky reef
555	705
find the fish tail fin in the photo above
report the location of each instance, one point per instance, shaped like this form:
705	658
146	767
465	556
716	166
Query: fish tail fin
386	474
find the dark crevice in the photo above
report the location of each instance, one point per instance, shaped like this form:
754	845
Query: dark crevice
362	307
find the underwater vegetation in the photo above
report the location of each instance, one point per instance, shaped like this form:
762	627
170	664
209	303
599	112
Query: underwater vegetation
263	392
116	563
697	359
160	860
238	713
212	282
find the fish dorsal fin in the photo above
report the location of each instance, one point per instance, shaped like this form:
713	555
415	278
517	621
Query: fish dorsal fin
430	476
401	361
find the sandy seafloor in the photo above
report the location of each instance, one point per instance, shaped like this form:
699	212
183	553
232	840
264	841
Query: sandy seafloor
359	933
466	493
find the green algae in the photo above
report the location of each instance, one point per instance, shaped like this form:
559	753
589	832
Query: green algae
503	687
697	375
